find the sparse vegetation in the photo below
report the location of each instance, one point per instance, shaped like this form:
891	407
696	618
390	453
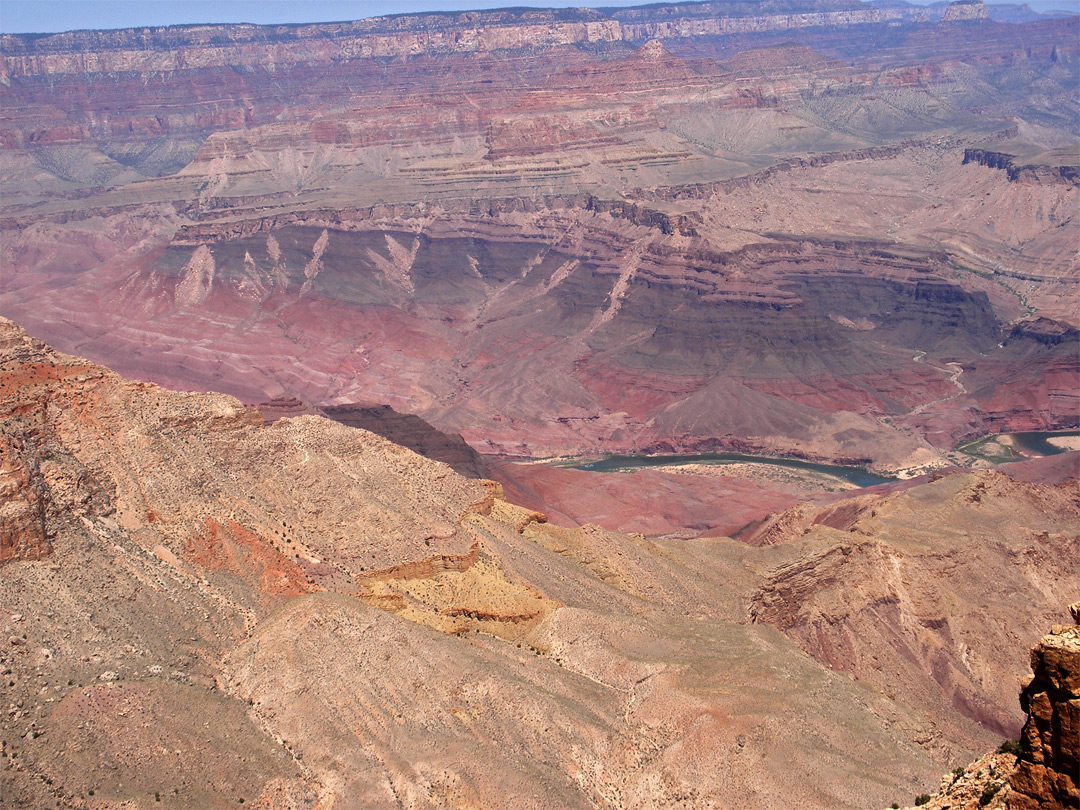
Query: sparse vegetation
921	800
988	794
1009	747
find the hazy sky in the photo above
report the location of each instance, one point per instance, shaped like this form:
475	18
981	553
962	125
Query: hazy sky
23	16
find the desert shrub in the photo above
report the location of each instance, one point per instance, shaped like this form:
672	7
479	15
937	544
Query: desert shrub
988	794
921	800
1009	747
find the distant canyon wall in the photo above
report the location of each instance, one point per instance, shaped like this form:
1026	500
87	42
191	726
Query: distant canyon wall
205	46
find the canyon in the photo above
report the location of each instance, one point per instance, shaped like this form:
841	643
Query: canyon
303	528
567	232
200	607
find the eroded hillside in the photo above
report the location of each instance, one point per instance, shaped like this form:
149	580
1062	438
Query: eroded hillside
200	608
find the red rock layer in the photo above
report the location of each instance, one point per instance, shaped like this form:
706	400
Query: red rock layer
23	497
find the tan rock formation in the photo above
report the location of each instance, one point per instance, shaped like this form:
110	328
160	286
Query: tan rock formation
965	11
982	785
1048	771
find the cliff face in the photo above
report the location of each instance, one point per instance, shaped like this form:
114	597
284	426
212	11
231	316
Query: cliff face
561	232
410	35
965	11
1047	771
1020	171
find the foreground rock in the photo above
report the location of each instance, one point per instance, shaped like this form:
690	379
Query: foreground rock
1048	771
982	785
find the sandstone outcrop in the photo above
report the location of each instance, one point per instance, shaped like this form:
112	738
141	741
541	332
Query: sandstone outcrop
964	11
1049	761
982	785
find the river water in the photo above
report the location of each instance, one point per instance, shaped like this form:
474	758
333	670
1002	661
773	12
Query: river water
854	475
1036	443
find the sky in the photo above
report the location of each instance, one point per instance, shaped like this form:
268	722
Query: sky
38	16
41	16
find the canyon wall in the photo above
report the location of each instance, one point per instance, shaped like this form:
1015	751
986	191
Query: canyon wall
774	226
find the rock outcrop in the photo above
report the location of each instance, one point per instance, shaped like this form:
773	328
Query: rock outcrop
1061	170
1048	771
22	511
982	785
1042	773
965	11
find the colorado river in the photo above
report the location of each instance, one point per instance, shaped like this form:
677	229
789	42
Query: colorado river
853	475
1038	444
1004	447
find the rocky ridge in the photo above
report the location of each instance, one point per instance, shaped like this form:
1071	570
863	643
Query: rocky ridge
406	430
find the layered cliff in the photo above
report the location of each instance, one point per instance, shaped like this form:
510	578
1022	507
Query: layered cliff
1061	168
586	200
410	35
